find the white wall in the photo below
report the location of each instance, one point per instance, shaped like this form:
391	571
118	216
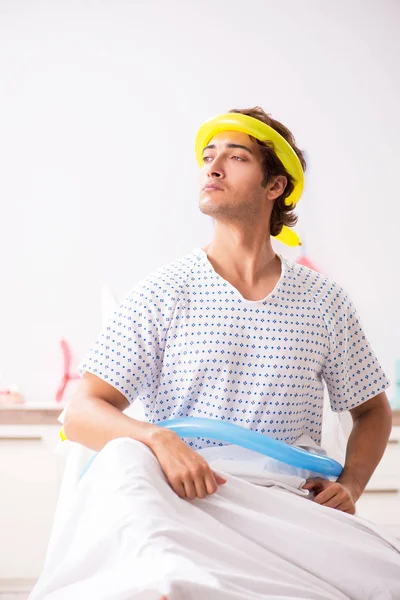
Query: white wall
100	104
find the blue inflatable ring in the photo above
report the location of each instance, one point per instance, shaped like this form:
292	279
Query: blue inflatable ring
235	434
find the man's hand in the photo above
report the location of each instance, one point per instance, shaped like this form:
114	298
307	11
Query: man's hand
332	494
187	472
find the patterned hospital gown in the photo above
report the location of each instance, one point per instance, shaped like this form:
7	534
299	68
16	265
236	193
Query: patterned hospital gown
186	343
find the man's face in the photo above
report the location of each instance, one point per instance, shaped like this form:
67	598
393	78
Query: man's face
231	177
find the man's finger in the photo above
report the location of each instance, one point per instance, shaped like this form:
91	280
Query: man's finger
178	488
333	502
201	489
351	510
220	480
211	482
326	495
190	490
315	484
347	507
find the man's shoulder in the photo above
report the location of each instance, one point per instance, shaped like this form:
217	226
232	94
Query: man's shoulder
169	279
311	283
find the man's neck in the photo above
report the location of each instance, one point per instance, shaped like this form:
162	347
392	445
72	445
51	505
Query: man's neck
249	265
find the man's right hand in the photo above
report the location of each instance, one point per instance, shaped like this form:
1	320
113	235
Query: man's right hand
189	475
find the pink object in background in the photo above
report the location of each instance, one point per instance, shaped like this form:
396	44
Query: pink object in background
306	262
67	376
11	396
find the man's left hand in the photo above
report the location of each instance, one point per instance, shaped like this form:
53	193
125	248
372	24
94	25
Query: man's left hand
332	494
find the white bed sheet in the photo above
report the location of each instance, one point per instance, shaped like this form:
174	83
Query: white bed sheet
129	536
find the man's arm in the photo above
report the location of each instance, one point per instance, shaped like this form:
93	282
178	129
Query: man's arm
94	417
372	423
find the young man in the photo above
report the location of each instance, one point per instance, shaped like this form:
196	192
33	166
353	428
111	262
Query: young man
237	332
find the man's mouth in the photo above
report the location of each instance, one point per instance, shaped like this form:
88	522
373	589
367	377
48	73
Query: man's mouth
211	186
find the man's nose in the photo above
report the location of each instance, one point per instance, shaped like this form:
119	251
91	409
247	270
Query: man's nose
215	169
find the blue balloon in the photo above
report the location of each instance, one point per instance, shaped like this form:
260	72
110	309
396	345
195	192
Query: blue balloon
235	434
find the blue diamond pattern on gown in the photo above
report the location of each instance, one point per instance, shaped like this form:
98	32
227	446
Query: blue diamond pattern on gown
186	343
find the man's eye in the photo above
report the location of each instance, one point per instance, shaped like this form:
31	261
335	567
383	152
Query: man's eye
210	158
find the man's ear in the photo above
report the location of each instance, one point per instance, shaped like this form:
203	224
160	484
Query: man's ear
276	186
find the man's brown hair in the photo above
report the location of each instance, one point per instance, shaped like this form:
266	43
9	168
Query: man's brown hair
282	214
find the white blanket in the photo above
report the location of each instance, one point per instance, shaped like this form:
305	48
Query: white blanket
130	537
